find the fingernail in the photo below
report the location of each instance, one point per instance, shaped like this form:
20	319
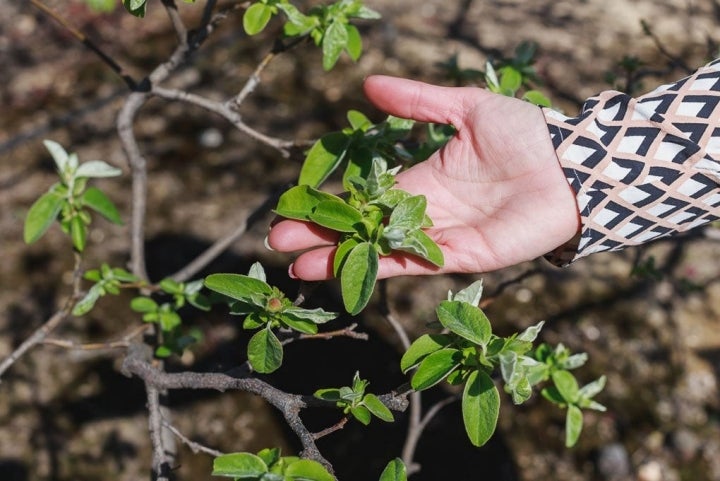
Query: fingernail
266	241
291	272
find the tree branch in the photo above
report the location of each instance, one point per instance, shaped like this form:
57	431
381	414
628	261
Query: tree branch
51	324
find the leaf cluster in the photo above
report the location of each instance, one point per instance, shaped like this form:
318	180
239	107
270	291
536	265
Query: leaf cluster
373	219
70	200
265	308
328	26
354	401
468	353
269	465
165	313
106	280
356	145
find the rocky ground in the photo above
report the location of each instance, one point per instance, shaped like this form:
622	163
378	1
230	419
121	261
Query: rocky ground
68	415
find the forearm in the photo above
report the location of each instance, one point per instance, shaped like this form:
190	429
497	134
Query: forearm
641	168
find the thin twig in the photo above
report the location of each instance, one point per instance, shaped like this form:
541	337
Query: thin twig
345	332
414	436
51	324
415	398
336	427
194	446
661	47
230	115
122	343
222	244
88	43
160	465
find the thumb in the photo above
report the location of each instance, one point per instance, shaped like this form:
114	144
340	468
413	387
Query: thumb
410	99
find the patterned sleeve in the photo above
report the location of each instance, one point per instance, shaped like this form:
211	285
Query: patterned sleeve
642	168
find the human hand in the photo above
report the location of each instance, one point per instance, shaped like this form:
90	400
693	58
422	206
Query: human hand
495	192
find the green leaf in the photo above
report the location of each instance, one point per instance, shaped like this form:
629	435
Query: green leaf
41	216
334	41
136	7
573	425
531	333
421	347
394	471
510	81
96	169
78	232
59	155
567	386
376	407
435	367
169	320
471	294
238	286
409	213
365	13
308	470
323	158
301	325
265	352
358	120
480	407
86	304
336	215
419	243
299	202
317	316
257	272
590	390
354	45
328	394
466	321
102	5
341	254
239	466
358	275
553	395
269	456
538	98
256	18
362	414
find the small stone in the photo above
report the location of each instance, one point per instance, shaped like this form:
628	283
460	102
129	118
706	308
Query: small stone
650	471
613	462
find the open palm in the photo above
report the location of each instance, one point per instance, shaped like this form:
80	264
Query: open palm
496	193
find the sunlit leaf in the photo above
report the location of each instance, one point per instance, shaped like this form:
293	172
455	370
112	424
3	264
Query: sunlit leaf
573	425
354	45
299	202
480	407
239	465
466	321
334	41
421	347
237	286
377	408
97	169
323	158
566	385
358	275
265	352
394	471
308	470
336	215
256	18
435	367
41	216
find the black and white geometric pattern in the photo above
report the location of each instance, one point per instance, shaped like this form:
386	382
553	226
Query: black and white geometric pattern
641	168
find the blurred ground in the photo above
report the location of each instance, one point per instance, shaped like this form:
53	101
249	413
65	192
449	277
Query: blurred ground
72	416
